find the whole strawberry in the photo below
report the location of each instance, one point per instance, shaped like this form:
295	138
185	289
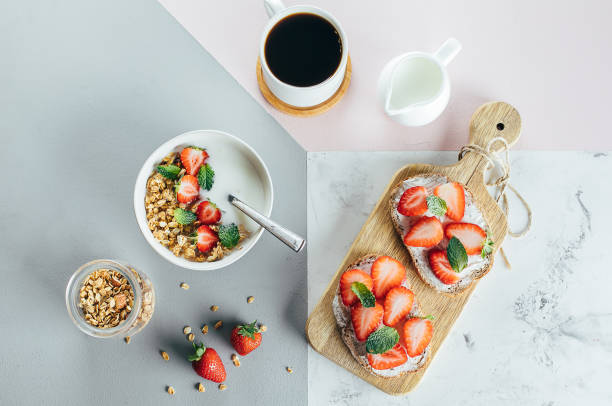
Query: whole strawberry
245	338
207	364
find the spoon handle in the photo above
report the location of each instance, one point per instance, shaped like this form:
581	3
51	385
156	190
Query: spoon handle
288	237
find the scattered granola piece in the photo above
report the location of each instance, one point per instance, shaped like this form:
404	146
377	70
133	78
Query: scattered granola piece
250	299
184	286
165	355
218	324
205	329
186	330
222	386
214	308
262	328
289	370
201	387
190	337
127	339
234	357
170	390
237	363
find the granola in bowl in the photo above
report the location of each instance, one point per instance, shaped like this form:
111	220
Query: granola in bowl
180	216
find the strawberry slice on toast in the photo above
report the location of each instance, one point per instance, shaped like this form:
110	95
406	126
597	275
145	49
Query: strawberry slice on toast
454	196
366	319
349	298
413	202
471	236
397	305
417	335
426	232
395	357
386	273
438	261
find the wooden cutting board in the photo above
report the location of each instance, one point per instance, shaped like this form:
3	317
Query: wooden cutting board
379	237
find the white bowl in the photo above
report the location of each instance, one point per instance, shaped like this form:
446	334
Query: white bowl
238	170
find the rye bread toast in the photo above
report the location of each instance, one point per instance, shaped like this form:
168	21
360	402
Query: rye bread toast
477	266
357	348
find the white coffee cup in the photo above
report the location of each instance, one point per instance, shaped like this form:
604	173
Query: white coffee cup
414	88
293	95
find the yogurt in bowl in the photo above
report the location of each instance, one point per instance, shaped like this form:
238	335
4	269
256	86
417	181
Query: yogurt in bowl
239	170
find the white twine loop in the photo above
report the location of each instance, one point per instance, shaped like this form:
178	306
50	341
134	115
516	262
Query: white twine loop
502	182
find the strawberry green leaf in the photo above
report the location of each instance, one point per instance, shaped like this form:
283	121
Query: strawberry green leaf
198	352
169	171
436	205
457	256
183	216
366	297
248	330
487	247
382	340
206	176
229	235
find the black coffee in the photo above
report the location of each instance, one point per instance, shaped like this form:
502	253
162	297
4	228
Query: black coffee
303	49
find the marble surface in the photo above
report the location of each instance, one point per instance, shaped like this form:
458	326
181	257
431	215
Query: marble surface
538	334
549	59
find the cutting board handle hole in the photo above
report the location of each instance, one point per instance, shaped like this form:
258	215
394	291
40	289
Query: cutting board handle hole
500	126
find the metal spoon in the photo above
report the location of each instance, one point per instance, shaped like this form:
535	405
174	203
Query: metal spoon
288	237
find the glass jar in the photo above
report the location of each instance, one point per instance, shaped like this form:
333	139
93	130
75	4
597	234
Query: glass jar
142	307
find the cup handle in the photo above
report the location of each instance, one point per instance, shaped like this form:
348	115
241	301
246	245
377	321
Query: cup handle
448	51
273	6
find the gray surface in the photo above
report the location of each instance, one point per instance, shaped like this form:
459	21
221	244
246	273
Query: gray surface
89	89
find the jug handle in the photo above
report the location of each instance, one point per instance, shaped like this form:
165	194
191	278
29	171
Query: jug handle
448	51
273	7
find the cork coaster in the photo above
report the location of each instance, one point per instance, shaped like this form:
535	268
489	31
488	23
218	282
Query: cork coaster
304	111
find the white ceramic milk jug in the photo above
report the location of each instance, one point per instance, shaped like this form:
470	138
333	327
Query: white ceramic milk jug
414	87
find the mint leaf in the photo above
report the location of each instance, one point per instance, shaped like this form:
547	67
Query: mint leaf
382	340
487	247
457	257
436	205
184	217
229	235
206	176
169	171
366	297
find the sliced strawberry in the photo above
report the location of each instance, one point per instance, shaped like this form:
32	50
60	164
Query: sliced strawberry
206	238
454	196
417	335
396	356
208	212
399	327
366	319
353	275
438	261
387	273
413	202
192	158
398	304
426	232
187	189
471	236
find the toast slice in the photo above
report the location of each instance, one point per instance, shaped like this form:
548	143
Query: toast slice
357	348
477	266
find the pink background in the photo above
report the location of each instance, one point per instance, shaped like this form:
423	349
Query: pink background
550	59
